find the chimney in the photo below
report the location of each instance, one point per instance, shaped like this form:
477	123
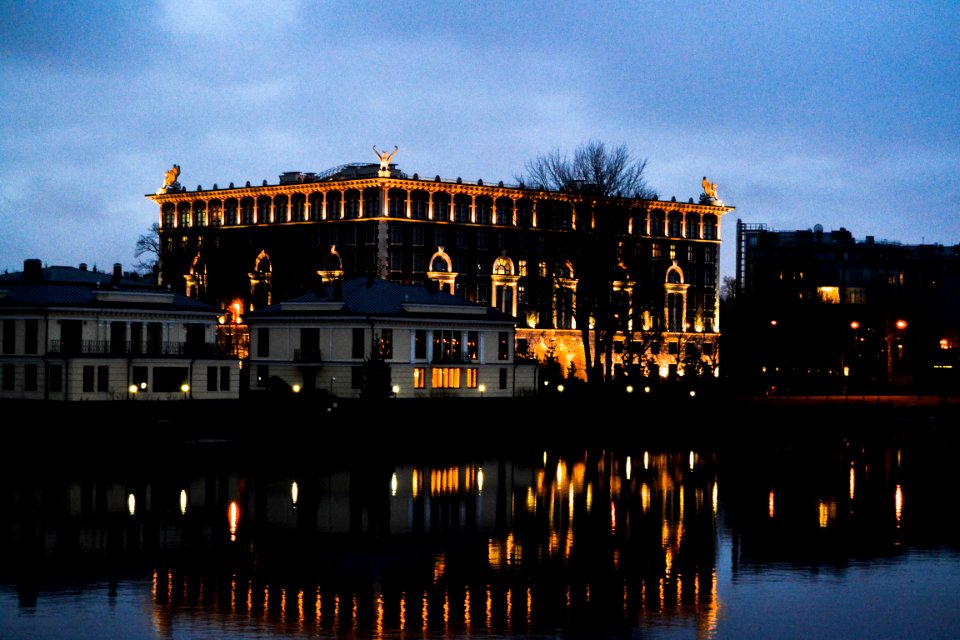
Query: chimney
83	266
32	271
117	272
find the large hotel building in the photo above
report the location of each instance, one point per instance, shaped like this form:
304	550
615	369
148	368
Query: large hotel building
515	247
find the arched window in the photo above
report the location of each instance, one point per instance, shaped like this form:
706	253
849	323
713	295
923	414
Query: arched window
693	226
656	223
504	211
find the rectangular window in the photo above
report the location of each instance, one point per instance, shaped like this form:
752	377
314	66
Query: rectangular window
263	343
211	378
8	373
710	253
445	378
224	378
168	379
420	344
9	336
471	375
655	250
263	375
140	377
447	346
503	345
473	345
29	377
691	253
441	235
417	263
103	378
481	240
357	348
396	260
522	268
503	378
396	234
461	239
386	344
31	336
419	378
356	377
483	294
88	378
55	379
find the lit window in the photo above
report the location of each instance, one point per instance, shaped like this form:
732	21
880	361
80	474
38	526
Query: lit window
446	378
419	378
471	375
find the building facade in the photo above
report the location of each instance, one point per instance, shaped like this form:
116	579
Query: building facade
68	333
820	310
426	344
515	248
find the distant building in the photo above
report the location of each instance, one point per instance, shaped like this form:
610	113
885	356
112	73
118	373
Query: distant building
70	333
427	344
515	248
819	310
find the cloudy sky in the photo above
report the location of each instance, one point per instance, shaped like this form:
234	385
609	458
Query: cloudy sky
837	113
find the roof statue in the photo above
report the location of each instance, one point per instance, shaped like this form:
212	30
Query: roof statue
385	157
710	189
171	176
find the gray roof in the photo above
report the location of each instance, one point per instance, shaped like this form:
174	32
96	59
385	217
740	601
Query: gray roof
377	297
72	287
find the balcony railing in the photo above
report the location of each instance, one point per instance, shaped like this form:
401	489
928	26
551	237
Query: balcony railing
127	348
307	355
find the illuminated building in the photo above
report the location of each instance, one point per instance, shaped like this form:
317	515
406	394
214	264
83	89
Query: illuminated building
820	311
433	343
71	333
516	248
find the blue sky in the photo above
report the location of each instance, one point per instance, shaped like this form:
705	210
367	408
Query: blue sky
843	114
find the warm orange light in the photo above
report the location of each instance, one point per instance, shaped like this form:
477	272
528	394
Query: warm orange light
901	324
854	325
234	516
773	323
944	343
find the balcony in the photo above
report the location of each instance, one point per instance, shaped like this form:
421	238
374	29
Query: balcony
307	355
132	349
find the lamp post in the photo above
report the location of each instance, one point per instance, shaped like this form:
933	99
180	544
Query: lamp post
133	391
482	388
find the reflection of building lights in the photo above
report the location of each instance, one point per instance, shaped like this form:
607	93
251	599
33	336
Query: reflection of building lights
770	504
183	501
294	492
613	517
479	480
415	484
646	460
691	461
628	467
393	484
131	504
233	514
714	498
898	503
589	497
645	497
560	470
852	482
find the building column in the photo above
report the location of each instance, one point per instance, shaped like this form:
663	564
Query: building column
473	209
430	206
409	212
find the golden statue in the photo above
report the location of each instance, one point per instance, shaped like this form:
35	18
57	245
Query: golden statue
709	188
171	176
385	157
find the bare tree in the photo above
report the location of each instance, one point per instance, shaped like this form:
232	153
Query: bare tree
147	250
598	180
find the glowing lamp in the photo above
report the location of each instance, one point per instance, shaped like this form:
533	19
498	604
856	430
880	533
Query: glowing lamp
901	324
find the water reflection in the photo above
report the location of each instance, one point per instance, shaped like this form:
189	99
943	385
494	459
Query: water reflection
520	546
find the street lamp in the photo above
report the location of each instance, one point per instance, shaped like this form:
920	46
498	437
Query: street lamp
482	388
133	391
396	390
185	388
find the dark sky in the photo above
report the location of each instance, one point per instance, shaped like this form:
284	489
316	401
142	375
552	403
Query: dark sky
843	114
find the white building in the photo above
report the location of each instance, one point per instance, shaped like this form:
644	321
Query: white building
69	333
433	343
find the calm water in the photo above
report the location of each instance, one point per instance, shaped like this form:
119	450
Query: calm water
827	536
